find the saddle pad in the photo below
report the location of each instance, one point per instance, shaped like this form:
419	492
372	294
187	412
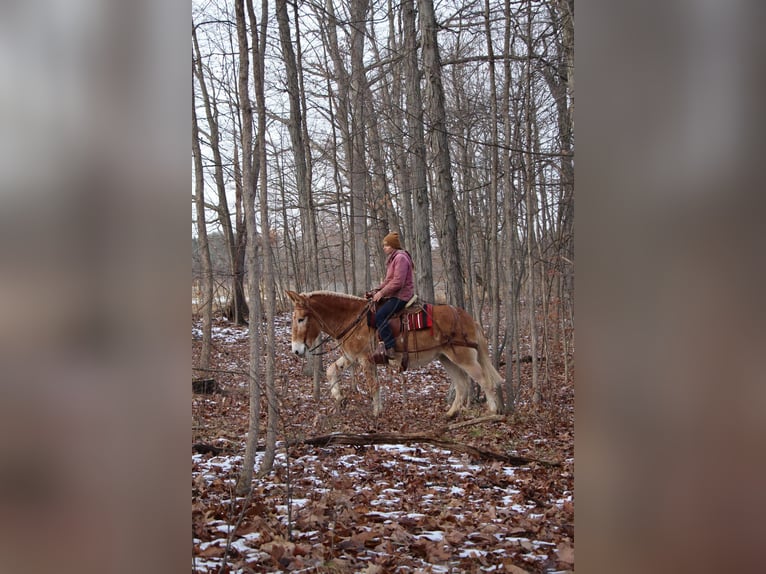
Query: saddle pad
422	320
416	321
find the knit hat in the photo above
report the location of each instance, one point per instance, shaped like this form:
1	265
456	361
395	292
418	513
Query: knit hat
392	239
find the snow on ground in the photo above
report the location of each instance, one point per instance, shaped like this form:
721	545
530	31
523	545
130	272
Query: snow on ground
388	499
443	510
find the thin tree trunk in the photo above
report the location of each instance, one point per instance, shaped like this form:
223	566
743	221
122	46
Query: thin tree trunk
240	312
529	182
494	254
440	148
258	46
393	102
224	216
244	483
305	200
295	127
340	121
203	246
358	165
417	158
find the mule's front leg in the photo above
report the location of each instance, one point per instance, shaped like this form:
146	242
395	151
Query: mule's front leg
377	399
334	372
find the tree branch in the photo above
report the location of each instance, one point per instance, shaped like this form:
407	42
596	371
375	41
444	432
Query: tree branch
351	439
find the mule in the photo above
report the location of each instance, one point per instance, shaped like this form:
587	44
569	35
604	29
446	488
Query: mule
454	338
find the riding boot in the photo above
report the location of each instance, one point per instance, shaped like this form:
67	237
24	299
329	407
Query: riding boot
382	355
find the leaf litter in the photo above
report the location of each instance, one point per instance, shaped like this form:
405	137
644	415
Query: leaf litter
378	508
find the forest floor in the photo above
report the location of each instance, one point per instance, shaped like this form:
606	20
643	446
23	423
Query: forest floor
379	508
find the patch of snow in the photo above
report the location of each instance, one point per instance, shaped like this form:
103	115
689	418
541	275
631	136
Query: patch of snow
432	535
383	502
472	553
389	515
536	557
400	448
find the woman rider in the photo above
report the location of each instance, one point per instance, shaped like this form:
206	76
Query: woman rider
396	290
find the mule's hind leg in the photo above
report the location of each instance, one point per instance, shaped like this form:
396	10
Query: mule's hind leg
460	380
466	359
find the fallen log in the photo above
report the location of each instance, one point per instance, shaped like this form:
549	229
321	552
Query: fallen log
351	439
203	448
205	386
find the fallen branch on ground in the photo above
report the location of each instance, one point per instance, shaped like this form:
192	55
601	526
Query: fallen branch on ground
351	439
476	421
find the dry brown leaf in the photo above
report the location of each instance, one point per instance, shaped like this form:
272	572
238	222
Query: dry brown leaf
455	537
513	569
565	553
211	552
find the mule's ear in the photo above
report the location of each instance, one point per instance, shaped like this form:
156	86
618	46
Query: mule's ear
295	297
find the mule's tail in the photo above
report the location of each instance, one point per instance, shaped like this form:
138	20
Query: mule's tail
493	379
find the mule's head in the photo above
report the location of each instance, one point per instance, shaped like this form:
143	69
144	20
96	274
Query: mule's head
305	329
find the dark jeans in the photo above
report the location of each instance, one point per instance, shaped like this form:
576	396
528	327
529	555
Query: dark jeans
388	308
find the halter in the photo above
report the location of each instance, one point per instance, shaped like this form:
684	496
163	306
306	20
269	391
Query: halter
324	327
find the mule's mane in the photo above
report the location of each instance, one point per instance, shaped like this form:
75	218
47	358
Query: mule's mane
334	310
334	294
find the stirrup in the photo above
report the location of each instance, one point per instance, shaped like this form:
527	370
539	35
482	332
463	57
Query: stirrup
381	356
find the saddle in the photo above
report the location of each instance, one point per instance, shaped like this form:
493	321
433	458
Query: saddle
413	317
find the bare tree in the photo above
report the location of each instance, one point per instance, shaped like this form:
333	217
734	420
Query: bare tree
439	144
358	170
493	236
244	483
206	279
258	47
417	157
236	307
529	191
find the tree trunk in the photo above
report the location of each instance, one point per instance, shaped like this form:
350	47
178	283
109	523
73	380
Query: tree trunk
441	155
240	311
493	235
206	266
361	278
305	199
296	129
513	274
268	276
244	483
529	191
417	158
224	216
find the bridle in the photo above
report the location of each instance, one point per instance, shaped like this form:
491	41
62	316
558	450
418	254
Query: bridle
340	337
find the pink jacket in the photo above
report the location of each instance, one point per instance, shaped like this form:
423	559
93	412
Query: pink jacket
399	282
